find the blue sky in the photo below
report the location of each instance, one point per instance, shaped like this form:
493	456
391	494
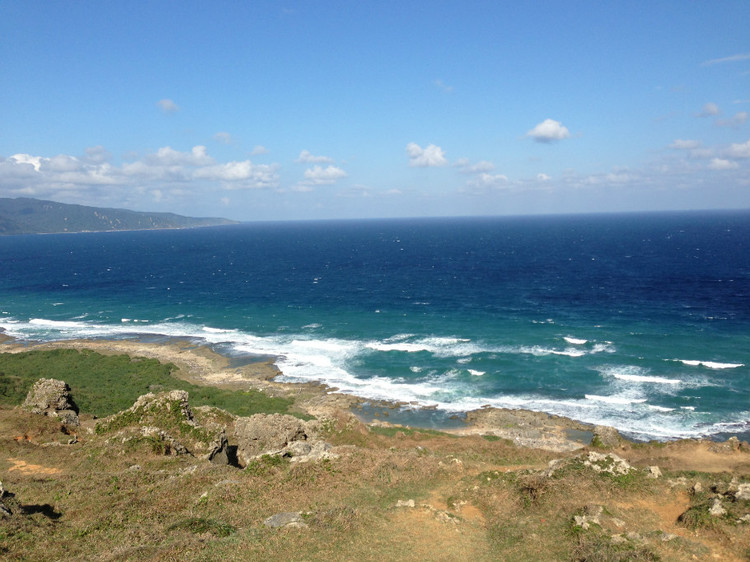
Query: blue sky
308	110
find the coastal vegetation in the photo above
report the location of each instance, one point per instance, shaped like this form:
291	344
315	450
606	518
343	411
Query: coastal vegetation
107	384
93	492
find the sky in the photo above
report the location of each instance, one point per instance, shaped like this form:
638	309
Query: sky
287	110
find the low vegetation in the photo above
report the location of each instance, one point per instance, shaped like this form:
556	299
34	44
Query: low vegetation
105	384
392	493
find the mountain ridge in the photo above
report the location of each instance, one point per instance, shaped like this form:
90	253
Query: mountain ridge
25	215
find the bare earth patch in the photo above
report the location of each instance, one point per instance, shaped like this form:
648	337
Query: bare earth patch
31	469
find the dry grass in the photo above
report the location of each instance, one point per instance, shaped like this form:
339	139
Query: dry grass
474	499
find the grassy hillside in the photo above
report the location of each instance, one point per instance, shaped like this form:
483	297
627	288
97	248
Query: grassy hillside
31	216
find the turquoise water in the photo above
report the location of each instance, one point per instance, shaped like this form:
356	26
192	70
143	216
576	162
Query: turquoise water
637	321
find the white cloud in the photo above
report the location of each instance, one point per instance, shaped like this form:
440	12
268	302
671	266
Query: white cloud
222	137
259	149
429	156
722	164
737	119
549	130
740	150
165	173
543	177
167	105
709	110
306	157
241	175
487	182
33	161
167	156
317	175
681	144
732	58
469	168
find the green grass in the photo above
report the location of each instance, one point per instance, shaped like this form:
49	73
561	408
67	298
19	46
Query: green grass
102	385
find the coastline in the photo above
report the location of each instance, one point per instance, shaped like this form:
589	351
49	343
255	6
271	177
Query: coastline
200	364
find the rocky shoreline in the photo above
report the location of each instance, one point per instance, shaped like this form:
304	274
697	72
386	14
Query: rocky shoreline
201	365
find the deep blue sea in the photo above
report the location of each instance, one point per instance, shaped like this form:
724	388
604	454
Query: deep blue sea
639	321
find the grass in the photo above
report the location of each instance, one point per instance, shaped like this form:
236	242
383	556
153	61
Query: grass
102	385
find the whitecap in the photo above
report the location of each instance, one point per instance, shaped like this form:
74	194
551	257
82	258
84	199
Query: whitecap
709	364
614	399
211	330
476	373
575	341
660	408
631	373
645	378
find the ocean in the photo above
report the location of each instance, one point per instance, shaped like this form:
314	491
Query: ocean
638	321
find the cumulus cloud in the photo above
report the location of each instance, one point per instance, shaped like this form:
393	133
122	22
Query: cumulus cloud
167	106
736	120
709	110
487	182
427	157
306	157
722	164
317	175
549	130
259	149
166	172
732	58
739	150
543	177
222	137
240	175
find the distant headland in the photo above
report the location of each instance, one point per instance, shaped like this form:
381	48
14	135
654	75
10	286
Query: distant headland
34	216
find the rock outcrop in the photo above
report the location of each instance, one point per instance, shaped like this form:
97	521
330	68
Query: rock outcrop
606	437
51	397
278	434
166	421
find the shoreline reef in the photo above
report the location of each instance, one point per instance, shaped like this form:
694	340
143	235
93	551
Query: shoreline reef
202	365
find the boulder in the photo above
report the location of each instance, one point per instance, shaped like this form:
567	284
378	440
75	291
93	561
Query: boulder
278	434
51	397
293	520
609	463
743	492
